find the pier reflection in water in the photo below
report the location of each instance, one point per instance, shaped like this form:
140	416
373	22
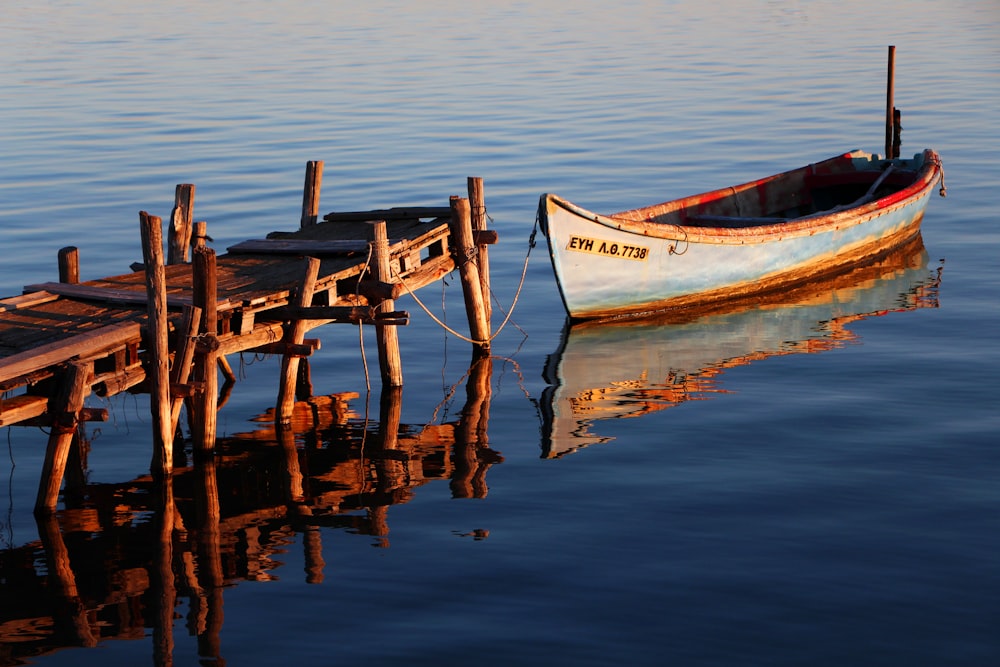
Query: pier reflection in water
120	558
629	368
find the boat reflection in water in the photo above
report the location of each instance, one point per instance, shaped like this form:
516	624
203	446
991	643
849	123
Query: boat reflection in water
629	368
120	558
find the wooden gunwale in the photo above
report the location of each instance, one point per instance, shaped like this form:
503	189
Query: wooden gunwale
644	221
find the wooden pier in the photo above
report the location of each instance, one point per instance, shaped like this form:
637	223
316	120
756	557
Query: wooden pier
167	326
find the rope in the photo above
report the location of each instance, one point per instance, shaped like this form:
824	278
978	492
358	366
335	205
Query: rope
517	295
361	333
943	191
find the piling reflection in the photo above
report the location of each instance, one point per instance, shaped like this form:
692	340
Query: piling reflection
122	559
625	369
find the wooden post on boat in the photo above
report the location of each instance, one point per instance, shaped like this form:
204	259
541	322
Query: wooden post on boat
204	292
466	254
477	206
897	129
158	372
65	412
69	265
294	334
889	109
385	335
310	193
179	231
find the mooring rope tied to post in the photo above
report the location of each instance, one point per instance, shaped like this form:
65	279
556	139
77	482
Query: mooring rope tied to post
509	314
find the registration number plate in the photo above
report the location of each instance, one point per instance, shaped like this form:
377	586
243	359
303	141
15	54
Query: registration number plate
607	248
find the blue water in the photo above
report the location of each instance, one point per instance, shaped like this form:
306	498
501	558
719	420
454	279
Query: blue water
783	509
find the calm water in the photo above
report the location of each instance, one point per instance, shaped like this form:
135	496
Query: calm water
724	496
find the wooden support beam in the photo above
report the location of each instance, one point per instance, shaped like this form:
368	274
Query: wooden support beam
181	224
477	212
183	359
115	382
466	255
225	368
310	193
65	408
294	333
69	265
83	415
304	349
378	290
388	342
158	350
364	314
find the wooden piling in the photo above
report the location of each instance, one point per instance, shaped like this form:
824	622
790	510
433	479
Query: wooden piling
199	234
65	409
477	207
310	193
889	115
386	336
158	372
204	296
69	265
180	228
294	334
466	253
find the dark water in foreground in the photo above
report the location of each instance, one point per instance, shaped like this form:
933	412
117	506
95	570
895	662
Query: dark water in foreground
808	481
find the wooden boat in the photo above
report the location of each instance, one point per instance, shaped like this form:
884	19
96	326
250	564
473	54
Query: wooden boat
747	239
629	368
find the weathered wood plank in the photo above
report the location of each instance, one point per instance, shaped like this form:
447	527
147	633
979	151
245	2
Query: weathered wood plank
340	314
395	213
298	247
19	408
89	344
105	294
26	301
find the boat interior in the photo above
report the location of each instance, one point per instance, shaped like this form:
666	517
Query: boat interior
837	184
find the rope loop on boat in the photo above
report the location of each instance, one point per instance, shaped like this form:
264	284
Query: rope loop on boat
943	191
672	248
